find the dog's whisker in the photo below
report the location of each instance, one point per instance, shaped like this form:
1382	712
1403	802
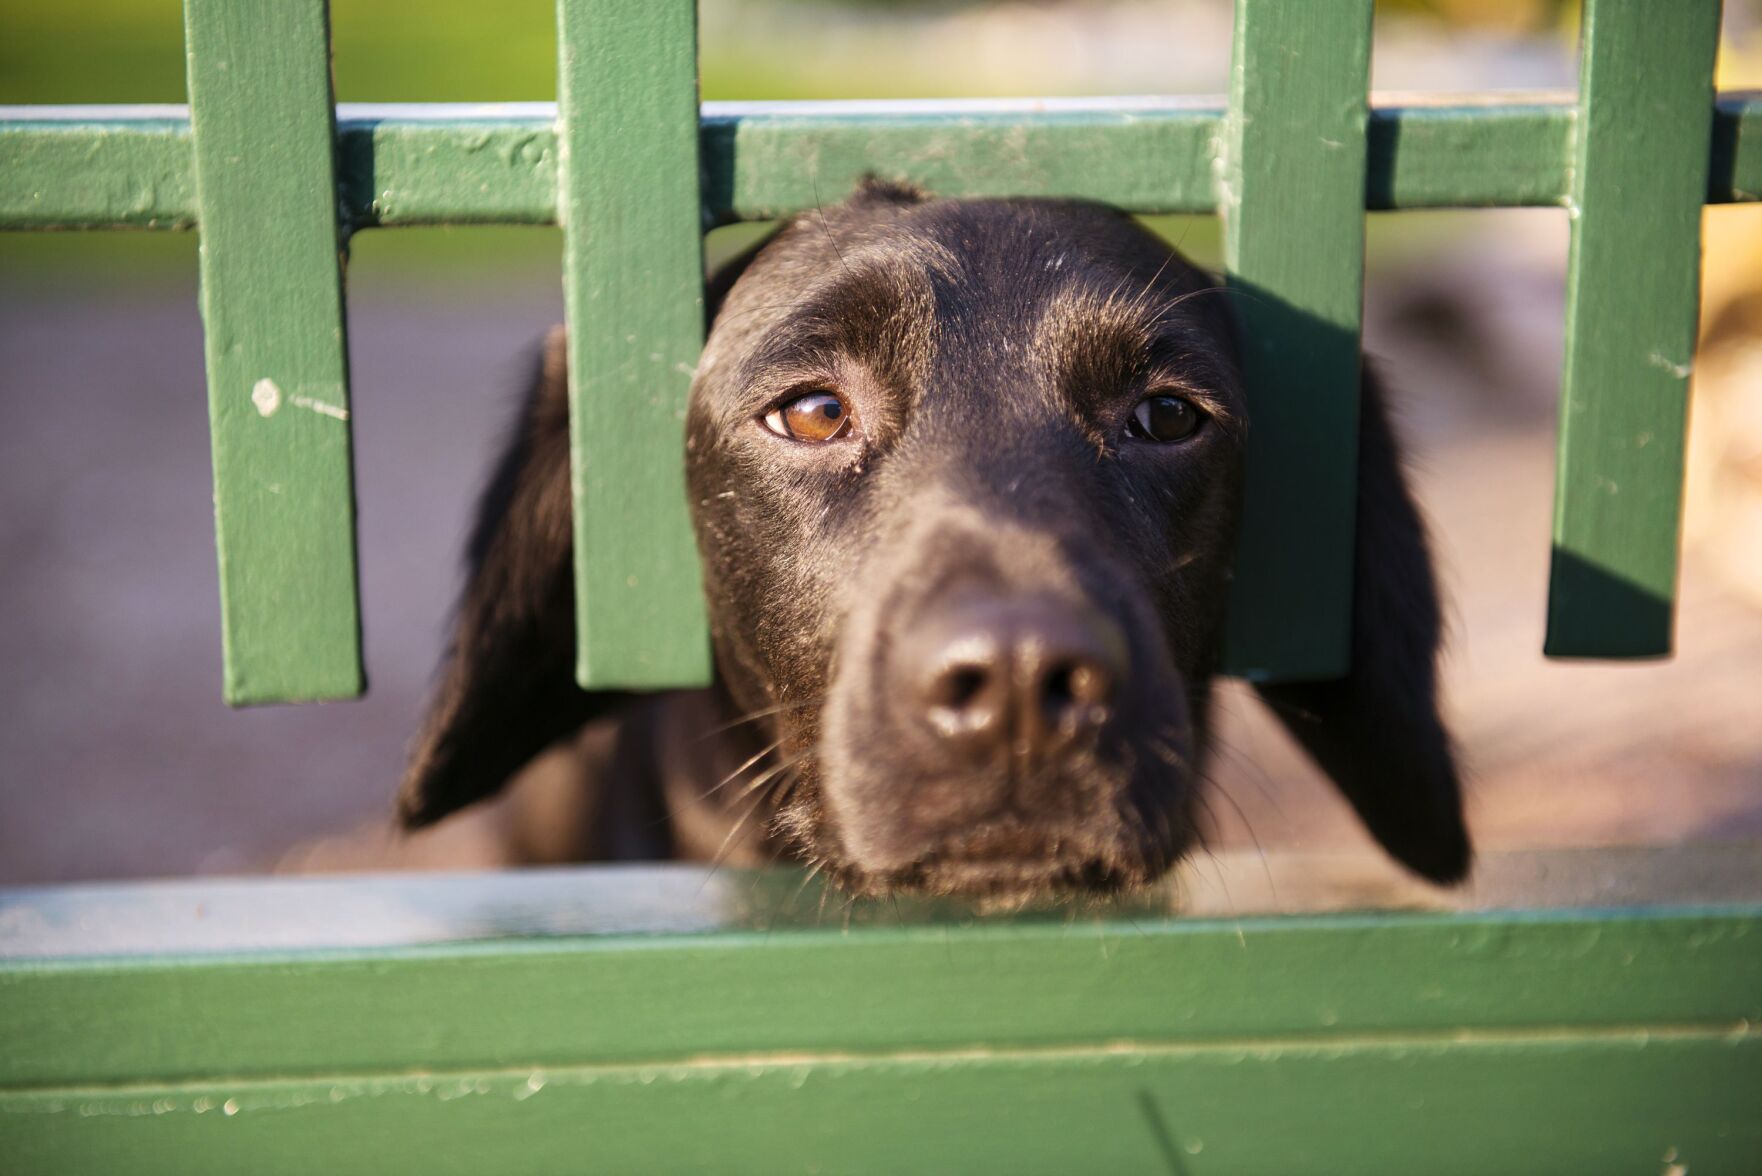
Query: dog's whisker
1256	775
742	769
1217	872
755	716
813	872
759	798
820	211
1144	295
722	850
1204	802
1248	826
820	914
759	782
1289	709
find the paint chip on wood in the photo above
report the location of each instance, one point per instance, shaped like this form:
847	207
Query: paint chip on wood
266	396
323	409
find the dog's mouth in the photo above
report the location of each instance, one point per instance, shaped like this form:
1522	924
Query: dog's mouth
997	884
1009	864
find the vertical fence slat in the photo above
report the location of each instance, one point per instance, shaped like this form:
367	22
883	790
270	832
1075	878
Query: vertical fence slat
1293	203
1632	301
631	211
262	120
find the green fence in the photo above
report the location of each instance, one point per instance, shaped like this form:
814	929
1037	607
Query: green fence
276	179
658	1019
664	1019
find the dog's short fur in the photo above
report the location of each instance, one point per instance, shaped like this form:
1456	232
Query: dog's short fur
967	645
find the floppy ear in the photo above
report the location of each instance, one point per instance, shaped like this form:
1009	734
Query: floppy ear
1377	732
508	686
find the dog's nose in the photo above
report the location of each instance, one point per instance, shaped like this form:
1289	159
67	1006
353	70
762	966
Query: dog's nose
1027	678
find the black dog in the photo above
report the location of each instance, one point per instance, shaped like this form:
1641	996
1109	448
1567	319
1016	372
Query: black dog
965	480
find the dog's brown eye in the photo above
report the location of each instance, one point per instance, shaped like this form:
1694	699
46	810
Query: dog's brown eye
815	417
1165	419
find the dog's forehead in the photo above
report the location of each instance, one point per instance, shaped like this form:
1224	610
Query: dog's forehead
990	266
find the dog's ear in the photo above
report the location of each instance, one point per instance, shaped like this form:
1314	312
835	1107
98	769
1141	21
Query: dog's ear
1378	732
508	686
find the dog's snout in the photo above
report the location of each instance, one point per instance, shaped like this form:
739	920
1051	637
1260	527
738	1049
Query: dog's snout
1023	679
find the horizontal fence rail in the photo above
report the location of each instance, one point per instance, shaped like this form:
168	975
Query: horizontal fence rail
633	168
405	165
432	164
666	1019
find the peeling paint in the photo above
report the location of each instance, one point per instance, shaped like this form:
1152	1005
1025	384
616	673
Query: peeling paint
266	396
1679	370
320	407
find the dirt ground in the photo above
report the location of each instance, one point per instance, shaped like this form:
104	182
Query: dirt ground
118	760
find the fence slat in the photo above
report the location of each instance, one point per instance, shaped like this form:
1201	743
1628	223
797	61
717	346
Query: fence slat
1293	203
262	120
633	276
1632	301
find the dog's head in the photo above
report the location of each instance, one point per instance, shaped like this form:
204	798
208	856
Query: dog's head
965	480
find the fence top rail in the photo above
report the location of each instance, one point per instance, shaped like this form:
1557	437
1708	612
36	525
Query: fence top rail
256	915
495	163
1384	103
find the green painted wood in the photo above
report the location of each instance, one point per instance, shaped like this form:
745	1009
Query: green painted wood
763	161
272	308
1464	151
96	167
554	1018
1632	313
1630	1099
633	281
1734	173
319	977
448	164
101	167
1293	204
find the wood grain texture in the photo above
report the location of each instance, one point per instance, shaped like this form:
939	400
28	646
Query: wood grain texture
633	280
278	384
1293	205
1632	311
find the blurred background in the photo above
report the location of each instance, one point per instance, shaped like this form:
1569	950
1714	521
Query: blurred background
117	758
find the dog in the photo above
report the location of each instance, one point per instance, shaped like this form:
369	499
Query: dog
965	479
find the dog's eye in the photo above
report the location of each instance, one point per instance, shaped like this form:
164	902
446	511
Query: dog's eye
815	417
1165	419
